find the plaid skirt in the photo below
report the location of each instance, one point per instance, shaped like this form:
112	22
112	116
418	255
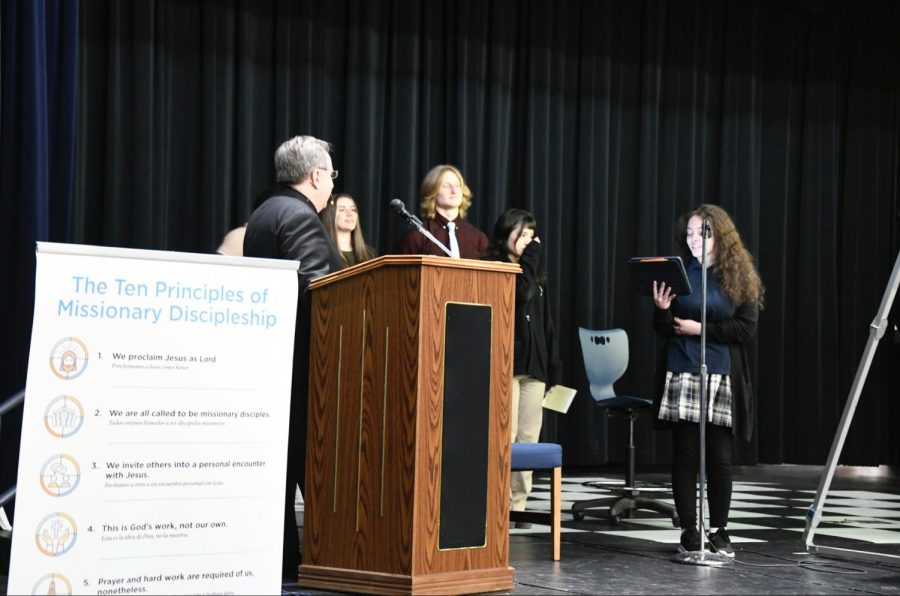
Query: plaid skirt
681	399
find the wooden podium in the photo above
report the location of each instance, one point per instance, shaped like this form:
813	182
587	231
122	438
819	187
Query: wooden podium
407	465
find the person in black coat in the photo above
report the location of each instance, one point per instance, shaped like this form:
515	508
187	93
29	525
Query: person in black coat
286	225
734	297
536	364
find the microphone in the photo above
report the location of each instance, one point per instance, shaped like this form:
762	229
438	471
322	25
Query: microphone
398	206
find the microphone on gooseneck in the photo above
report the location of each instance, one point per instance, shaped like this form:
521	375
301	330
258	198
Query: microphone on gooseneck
398	206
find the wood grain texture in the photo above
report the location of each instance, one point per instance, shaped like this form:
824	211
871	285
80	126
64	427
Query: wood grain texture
414	260
438	287
373	476
368	582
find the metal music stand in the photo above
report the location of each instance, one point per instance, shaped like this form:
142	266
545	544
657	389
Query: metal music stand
814	513
702	556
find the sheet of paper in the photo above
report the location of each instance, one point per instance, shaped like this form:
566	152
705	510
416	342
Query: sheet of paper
559	398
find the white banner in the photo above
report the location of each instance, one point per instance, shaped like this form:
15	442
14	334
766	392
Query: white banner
154	436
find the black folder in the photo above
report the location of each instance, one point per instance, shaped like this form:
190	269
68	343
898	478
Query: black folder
669	270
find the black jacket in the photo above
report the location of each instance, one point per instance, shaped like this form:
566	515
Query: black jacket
737	332
536	345
287	226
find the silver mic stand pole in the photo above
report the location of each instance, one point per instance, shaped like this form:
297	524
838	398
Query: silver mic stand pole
702	556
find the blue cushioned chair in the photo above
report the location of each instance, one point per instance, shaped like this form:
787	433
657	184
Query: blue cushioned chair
605	361
541	456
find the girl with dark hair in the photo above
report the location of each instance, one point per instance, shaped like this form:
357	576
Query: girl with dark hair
734	297
341	220
536	365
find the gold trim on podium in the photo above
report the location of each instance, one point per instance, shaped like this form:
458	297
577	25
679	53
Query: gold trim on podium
441	453
337	417
387	353
362	385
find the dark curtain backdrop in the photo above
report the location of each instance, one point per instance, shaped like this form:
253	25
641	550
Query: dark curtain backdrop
606	119
38	62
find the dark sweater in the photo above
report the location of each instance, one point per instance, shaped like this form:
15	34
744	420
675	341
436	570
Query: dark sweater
471	241
736	332
683	351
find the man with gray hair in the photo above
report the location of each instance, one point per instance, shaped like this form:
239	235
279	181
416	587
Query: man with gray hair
287	226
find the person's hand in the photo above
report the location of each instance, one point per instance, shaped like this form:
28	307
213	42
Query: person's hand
662	295
686	327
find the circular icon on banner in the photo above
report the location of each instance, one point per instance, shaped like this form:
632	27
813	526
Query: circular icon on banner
52	583
64	416
60	475
68	358
56	534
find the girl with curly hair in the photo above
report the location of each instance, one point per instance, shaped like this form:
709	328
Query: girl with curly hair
734	298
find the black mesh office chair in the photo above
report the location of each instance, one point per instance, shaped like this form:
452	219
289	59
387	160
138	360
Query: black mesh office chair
605	361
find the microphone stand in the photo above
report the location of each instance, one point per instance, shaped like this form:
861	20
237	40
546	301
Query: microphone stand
702	556
430	236
415	222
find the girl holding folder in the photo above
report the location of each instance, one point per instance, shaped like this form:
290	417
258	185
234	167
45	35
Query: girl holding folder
734	297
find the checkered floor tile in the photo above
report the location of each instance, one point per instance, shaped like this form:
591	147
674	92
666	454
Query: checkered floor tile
760	512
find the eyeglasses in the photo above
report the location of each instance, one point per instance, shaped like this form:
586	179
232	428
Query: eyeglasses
332	173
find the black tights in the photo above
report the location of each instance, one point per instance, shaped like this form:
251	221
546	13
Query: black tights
686	465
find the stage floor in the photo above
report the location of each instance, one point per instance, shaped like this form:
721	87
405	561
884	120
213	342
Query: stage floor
769	505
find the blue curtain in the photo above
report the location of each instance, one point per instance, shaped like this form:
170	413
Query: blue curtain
38	59
606	119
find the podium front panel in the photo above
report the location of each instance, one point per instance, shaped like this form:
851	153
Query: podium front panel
464	433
